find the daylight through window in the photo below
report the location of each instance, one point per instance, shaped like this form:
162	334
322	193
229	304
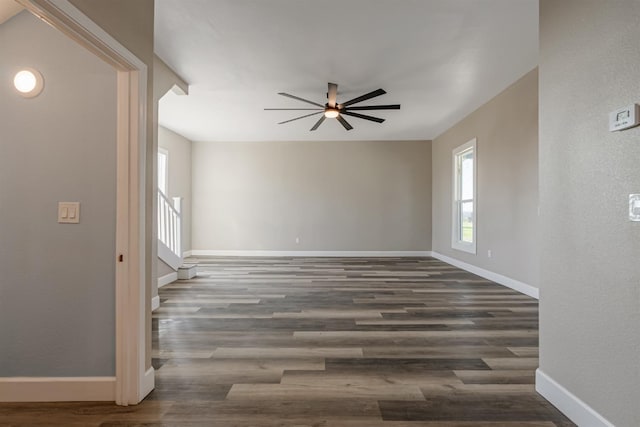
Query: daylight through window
464	197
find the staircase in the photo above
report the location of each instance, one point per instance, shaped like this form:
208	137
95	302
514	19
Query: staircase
169	226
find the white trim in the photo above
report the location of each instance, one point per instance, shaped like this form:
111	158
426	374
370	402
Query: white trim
148	381
495	277
57	389
457	243
168	256
250	253
568	403
155	303
165	152
186	254
131	144
167	278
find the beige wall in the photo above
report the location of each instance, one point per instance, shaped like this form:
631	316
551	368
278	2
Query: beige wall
179	184
506	129
131	24
334	196
164	79
590	274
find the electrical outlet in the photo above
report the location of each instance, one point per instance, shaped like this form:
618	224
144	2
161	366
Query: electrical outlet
297	240
489	253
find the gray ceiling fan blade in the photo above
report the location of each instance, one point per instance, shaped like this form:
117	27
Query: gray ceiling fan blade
363	116
318	123
301	99
292	109
377	107
344	123
364	97
301	117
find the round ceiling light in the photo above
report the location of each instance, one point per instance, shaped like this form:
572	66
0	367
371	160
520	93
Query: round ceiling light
331	113
28	82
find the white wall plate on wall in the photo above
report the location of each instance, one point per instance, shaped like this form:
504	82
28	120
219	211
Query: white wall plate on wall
634	207
624	118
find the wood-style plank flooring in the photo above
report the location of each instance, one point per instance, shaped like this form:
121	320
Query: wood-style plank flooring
368	342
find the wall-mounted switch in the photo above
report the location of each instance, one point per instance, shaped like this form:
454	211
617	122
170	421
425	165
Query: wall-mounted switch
624	118
634	207
68	212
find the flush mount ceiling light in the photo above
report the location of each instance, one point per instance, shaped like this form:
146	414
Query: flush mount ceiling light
28	82
331	113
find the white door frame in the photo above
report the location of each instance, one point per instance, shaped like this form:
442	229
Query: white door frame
132	381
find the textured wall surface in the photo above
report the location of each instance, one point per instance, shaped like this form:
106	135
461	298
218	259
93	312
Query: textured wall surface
57	287
333	196
506	129
590	275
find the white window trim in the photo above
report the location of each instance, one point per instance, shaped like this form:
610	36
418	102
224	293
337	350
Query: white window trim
456	243
166	175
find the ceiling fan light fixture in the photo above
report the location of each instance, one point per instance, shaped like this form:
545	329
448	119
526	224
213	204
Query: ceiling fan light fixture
331	113
334	110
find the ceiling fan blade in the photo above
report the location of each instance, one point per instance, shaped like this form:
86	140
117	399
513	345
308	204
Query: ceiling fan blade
332	95
364	97
377	107
318	123
301	99
363	116
292	109
301	117
344	123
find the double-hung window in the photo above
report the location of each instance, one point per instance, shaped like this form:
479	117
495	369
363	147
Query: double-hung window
464	198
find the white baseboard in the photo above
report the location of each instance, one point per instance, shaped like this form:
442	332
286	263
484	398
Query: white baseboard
495	277
167	278
200	252
568	403
57	389
148	382
186	254
155	303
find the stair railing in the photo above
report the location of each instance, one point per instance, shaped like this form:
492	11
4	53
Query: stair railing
169	223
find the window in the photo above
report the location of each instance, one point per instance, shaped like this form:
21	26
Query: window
163	170
464	198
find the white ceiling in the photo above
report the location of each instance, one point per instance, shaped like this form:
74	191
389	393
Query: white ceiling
439	59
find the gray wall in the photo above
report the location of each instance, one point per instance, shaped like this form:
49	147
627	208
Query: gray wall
506	129
590	274
131	23
57	300
334	196
163	270
179	149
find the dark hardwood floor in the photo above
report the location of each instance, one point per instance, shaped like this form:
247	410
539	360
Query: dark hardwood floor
365	342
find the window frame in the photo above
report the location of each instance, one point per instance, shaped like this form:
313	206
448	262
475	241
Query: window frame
165	153
456	211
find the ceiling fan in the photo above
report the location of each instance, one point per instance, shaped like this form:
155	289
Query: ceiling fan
333	110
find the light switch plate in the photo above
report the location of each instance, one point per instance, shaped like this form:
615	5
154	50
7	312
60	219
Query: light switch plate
624	118
634	207
68	212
